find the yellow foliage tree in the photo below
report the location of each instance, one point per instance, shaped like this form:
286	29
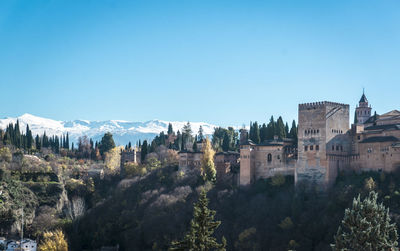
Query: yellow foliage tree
112	158
207	162
53	241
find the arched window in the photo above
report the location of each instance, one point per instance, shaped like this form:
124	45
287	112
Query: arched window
269	158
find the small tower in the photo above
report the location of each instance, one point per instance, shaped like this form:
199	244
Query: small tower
244	135
363	111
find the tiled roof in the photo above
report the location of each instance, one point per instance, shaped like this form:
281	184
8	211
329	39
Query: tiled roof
380	139
383	127
248	142
363	99
228	153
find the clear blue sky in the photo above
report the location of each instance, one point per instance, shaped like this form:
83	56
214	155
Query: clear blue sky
223	62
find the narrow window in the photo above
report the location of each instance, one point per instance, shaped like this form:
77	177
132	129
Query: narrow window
333	147
269	157
317	147
305	148
311	148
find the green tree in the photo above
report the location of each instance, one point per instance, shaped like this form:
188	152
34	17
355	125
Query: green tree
280	129
355	118
38	143
201	134
202	227
170	130
271	128
143	151
226	143
107	143
255	133
366	226
293	131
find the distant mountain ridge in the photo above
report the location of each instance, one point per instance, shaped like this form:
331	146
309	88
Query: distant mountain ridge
123	131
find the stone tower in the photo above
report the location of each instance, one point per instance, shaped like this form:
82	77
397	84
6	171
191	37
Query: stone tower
363	111
244	136
319	123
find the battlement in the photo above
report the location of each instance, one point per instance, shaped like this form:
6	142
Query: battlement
321	104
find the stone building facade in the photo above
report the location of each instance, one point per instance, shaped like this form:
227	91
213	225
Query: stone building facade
327	145
267	159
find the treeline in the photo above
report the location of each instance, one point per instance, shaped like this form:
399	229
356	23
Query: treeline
222	140
259	133
86	148
180	141
12	136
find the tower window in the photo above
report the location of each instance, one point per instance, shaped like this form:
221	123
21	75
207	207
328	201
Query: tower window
269	157
311	148
317	147
306	148
333	148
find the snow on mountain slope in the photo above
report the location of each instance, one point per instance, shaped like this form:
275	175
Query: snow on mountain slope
123	131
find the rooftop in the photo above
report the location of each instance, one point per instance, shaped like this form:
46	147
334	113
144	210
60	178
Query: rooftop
380	139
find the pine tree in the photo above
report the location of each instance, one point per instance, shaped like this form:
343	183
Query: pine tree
107	143
366	226
207	162
202	227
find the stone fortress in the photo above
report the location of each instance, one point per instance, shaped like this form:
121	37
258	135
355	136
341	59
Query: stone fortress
326	145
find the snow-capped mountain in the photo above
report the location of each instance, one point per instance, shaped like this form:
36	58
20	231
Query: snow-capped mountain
123	131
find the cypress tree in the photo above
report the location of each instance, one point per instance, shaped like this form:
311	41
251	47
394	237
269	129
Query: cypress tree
286	129
366	226
271	128
143	151
355	118
201	136
202	227
226	143
255	133
293	132
67	142
280	128
170	130
29	138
